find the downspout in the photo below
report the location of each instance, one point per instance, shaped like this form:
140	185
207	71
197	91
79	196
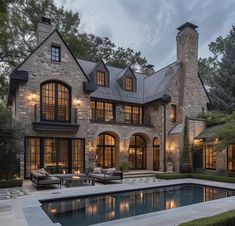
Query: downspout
165	100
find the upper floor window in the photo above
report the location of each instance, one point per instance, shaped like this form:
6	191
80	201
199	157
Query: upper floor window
100	78
55	53
132	114
102	111
173	113
129	86
55	102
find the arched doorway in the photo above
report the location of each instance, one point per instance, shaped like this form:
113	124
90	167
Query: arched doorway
105	150
137	152
156	154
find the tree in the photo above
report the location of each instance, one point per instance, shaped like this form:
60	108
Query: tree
219	72
10	132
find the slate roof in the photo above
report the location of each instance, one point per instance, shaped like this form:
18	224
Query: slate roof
149	88
208	132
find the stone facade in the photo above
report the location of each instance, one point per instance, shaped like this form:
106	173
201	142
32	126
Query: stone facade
185	89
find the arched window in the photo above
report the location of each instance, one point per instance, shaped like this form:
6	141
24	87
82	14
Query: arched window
137	152
106	150
55	101
156	154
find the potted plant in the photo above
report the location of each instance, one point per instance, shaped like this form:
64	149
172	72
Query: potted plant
125	165
169	165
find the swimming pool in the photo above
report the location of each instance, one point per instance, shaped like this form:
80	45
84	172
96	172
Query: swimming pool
100	208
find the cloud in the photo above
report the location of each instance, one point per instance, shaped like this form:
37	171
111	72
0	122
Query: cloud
150	25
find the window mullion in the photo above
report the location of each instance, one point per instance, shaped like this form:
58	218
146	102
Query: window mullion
56	102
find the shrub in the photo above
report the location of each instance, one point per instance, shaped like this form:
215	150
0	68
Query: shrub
125	165
223	219
14	182
186	168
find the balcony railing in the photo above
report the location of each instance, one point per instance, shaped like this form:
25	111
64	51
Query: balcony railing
60	124
120	117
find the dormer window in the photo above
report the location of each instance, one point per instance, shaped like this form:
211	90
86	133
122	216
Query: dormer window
100	78
55	53
129	86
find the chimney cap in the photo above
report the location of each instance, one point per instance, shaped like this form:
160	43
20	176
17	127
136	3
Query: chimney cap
45	20
187	24
149	66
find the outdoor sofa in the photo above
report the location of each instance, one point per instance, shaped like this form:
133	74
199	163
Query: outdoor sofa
105	175
42	178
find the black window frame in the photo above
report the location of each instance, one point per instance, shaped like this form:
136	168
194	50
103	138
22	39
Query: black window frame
173	113
132	84
56	82
210	157
94	111
140	113
96	81
55	56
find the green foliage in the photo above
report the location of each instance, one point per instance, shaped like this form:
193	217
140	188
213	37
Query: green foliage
202	176
186	152
9	183
219	72
223	219
214	118
125	165
10	132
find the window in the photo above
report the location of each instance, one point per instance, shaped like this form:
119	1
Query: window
137	152
156	154
231	157
56	155
100	78
106	150
132	114
210	157
55	102
173	113
102	111
55	53
129	86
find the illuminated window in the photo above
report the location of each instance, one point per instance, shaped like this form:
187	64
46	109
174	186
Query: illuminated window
173	113
55	53
106	150
231	157
102	111
55	102
132	114
100	78
210	157
129	86
156	154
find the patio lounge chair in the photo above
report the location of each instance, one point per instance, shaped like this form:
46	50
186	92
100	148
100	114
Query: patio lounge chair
40	178
105	175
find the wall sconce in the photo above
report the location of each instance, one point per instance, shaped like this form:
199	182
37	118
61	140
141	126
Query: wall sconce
78	101
34	97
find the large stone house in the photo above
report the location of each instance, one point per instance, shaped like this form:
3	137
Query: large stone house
78	114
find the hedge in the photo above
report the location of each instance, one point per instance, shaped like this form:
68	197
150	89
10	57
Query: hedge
202	176
8	183
223	219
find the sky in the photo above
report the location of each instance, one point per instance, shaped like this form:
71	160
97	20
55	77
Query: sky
150	26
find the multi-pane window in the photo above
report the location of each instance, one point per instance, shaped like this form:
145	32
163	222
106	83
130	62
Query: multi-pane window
132	114
156	154
100	78
231	157
55	102
56	155
129	86
55	53
102	111
210	157
173	113
105	150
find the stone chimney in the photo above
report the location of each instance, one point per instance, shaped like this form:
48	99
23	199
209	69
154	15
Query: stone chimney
187	55
44	28
149	69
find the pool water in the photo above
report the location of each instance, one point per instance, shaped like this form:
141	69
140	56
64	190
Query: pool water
81	211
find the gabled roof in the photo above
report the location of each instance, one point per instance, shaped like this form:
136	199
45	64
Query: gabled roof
11	91
149	88
208	132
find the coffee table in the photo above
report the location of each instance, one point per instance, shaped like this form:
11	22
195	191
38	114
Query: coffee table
78	181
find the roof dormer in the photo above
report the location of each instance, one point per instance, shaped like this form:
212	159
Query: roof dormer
127	80
100	74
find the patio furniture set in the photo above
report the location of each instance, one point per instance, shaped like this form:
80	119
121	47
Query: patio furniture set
41	178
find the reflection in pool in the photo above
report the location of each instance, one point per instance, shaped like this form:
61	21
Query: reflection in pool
95	209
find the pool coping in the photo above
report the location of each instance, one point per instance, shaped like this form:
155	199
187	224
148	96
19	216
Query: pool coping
35	216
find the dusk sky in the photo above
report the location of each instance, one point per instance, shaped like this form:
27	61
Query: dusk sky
150	25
